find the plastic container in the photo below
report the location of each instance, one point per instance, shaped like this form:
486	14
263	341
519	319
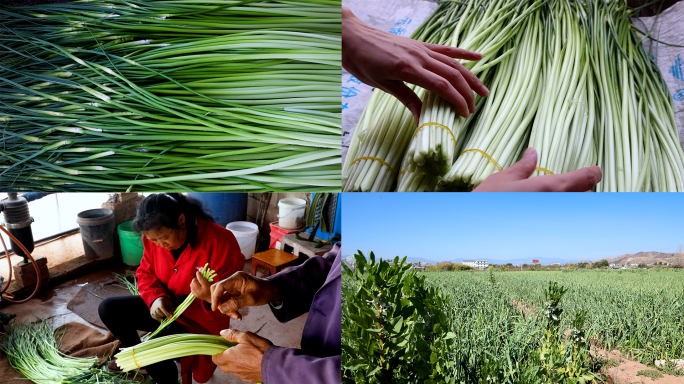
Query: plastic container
97	233
277	233
246	234
131	244
224	207
291	213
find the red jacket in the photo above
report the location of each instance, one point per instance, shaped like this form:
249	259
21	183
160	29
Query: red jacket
160	275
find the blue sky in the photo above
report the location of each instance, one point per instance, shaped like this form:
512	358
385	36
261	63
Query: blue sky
505	226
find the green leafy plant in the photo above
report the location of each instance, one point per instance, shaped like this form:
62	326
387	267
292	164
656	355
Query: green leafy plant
653	374
492	279
671	368
395	328
563	362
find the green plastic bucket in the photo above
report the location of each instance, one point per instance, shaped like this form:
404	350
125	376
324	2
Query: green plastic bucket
131	244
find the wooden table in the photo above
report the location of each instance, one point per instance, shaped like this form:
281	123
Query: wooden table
274	260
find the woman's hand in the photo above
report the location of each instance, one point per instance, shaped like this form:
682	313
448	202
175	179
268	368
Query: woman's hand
516	178
383	60
201	288
161	309
241	290
244	359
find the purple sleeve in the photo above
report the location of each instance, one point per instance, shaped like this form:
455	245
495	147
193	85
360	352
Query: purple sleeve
294	366
298	285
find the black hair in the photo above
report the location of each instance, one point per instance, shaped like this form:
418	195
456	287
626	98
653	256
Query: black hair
163	210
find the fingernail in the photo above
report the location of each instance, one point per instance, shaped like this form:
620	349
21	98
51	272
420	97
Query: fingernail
224	332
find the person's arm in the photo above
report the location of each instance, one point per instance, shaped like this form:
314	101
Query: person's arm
298	285
516	178
152	290
295	287
149	285
293	366
385	61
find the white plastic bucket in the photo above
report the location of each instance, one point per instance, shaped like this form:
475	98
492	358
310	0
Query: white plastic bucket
291	213
246	234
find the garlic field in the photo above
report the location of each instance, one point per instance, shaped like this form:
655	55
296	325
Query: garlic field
520	327
639	312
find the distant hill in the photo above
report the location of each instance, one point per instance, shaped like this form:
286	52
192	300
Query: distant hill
647	257
640	257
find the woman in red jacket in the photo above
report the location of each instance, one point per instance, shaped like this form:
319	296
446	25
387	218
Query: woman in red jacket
179	239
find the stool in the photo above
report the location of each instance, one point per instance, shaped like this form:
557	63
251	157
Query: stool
274	260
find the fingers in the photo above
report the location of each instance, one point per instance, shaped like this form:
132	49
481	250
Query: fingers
472	80
211	291
438	84
219	289
166	310
456	79
156	316
232	305
405	95
456	53
240	337
580	180
202	281
223	360
231	335
523	168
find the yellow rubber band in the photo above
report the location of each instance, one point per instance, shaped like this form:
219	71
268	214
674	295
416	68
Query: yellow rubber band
500	168
436	124
133	352
386	164
543	170
426	125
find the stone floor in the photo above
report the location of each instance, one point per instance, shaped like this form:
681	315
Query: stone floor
53	303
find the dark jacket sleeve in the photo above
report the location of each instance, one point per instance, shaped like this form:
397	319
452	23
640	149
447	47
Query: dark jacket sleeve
298	285
294	366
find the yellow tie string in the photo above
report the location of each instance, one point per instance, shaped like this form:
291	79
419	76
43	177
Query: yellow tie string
383	162
133	352
436	124
499	167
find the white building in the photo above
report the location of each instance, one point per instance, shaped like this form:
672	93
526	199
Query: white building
479	264
419	265
351	262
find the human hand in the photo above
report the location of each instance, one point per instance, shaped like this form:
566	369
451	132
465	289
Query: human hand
244	359
385	61
515	178
201	288
241	290
161	308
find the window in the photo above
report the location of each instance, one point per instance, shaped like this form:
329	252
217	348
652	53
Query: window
57	212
